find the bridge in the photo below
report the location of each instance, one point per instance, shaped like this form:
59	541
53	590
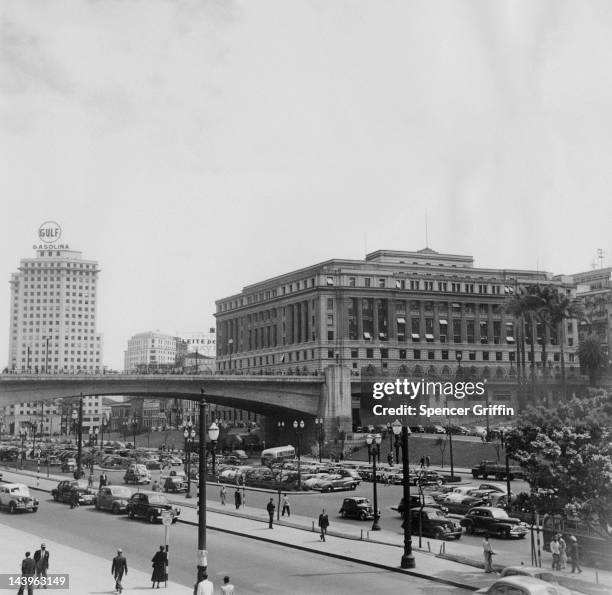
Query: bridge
327	396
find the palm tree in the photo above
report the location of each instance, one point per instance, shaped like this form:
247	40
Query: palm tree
592	356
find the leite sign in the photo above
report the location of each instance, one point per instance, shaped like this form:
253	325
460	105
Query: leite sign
49	234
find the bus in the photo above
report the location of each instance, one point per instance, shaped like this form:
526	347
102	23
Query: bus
277	455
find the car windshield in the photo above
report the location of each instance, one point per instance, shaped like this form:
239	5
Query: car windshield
436	514
498	513
81	484
121	491
157	499
20	490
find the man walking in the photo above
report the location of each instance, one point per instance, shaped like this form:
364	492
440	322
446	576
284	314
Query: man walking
237	498
555	550
574	557
204	586
28	570
227	588
223	494
562	551
41	558
286	506
487	552
271	508
323	524
118	569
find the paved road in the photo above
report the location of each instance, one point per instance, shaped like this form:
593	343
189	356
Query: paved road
255	567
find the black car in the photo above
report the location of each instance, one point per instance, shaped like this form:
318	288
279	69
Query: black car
64	492
151	507
357	508
494	521
416	501
433	522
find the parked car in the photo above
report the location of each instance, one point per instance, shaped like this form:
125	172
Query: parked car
334	482
435	429
69	465
113	498
174	485
416	501
65	490
417	429
540	573
427	478
434	523
462	504
522	585
151	507
357	508
494	521
137	474
16	497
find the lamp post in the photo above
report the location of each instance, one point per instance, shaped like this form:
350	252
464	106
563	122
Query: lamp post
189	435
408	557
22	433
390	434
96	430
213	434
103	424
281	426
298	426
230	344
373	442
74	417
80	438
319	424
134	427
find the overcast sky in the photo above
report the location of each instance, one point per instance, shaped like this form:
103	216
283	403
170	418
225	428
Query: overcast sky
193	147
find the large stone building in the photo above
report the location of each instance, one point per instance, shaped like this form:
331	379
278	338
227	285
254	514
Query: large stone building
155	350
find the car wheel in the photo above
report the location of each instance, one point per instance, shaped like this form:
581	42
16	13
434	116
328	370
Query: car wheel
174	520
12	508
438	534
326	489
505	533
55	497
485	475
152	517
475	475
343	514
469	529
131	514
115	509
363	516
353	486
35	509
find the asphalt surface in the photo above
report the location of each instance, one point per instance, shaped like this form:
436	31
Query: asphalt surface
255	566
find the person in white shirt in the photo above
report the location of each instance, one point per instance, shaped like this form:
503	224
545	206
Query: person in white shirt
227	588
205	587
555	550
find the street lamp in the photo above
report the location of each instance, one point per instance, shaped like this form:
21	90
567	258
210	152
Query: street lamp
373	442
390	434
319	424
103	424
74	417
134	427
79	472
213	434
189	434
91	434
202	553
299	430
230	344
23	433
96	430
408	557
281	426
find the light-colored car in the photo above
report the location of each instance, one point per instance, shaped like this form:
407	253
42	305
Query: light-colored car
540	573
113	498
522	585
16	497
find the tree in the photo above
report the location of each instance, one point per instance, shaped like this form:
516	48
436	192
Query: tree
591	356
567	451
441	444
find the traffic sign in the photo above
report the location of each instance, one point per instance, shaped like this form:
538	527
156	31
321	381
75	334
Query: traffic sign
166	519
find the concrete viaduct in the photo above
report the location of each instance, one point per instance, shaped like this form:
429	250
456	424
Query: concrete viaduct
277	397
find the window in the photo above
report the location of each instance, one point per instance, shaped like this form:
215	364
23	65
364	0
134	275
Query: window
330	319
428	285
417	354
354	353
470	331
457	331
330	354
330	281
485	356
414	284
330	303
402	354
445	354
351	281
384	353
367	282
330	335
381	283
431	355
472	355
369	353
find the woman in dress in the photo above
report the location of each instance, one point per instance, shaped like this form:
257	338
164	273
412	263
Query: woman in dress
160	561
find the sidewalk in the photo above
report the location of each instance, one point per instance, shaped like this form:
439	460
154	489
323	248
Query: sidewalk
88	574
382	549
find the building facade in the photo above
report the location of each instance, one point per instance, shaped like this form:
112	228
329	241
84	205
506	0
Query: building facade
200	342
422	311
54	312
154	350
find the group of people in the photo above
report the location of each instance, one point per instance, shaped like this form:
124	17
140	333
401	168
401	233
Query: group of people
159	561
205	586
561	552
34	567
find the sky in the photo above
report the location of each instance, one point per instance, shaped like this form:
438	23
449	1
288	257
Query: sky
192	147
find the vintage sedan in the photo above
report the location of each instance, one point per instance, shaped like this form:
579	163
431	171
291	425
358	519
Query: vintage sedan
151	507
175	484
357	508
113	498
522	585
495	521
334	482
64	492
433	523
16	497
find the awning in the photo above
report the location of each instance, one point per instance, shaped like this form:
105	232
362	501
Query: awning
456	305
443	321
509	323
330	280
416	336
429	337
398	284
483	323
367	336
401	321
509	339
382	336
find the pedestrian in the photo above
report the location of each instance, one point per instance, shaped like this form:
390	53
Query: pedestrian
223	494
227	588
237	498
427	461
286	506
563	551
487	551
555	550
271	508
103	480
28	570
74	499
390	459
204	586
118	569
160	562
90	480
574	555
155	486
323	524
422	462
41	557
